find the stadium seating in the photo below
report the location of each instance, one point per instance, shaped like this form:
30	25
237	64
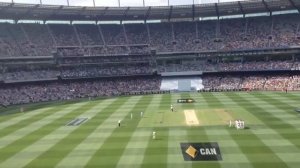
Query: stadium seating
29	93
228	34
114	50
254	82
229	66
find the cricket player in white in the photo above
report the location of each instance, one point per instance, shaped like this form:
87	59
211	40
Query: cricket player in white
172	108
239	124
119	123
153	135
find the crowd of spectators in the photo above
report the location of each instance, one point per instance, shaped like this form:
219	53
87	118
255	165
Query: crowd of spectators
228	34
64	35
89	35
136	33
187	66
262	82
219	82
133	43
161	37
253	82
103	51
90	67
28	93
229	66
28	72
105	59
30	75
39	37
104	71
256	65
63	90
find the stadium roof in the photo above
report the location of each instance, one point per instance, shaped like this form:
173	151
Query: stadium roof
17	11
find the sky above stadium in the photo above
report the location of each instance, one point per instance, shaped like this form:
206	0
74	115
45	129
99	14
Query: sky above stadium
116	3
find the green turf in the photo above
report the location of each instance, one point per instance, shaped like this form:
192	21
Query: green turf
40	138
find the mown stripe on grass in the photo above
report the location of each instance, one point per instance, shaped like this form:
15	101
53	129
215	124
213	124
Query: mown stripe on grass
58	141
279	102
8	121
176	136
294	94
110	152
133	154
268	136
282	108
157	151
232	155
14	143
31	127
104	125
286	98
260	147
223	137
281	146
200	103
175	158
289	115
17	123
200	134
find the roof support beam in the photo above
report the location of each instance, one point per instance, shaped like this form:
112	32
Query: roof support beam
241	8
30	10
170	13
217	10
147	14
105	10
267	7
82	10
102	15
293	4
125	13
193	11
4	8
55	12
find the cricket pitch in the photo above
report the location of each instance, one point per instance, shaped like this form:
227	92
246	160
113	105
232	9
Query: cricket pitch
191	118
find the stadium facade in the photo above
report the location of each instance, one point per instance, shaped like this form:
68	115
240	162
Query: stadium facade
243	45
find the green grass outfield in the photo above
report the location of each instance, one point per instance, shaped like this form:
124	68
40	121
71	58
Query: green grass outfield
40	138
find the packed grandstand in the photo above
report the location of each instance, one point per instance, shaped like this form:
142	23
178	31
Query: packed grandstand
43	62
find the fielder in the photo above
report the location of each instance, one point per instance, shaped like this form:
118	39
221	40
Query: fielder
119	123
153	135
239	124
172	109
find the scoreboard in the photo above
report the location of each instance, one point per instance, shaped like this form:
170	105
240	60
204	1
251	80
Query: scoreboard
185	100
